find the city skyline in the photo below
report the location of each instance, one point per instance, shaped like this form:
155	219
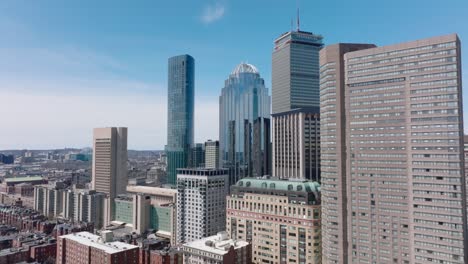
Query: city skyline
64	62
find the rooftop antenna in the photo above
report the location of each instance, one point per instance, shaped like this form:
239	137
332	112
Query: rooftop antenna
292	24
298	19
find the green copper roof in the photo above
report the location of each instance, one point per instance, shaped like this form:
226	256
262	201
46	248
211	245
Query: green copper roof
279	184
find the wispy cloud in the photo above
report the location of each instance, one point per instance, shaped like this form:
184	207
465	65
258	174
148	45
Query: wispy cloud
212	13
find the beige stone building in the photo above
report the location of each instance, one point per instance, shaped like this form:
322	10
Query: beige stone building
281	218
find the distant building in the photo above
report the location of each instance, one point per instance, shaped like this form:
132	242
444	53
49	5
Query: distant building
48	199
296	144
201	203
7	159
281	218
110	175
148	208
218	249
87	248
180	126
244	138
197	156
212	154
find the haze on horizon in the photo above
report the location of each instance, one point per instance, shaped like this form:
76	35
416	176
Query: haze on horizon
69	67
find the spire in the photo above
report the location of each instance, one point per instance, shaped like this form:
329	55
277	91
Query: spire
298	20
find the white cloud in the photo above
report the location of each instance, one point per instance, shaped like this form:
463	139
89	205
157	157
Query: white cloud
212	13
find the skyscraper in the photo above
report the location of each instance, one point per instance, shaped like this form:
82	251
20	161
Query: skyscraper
180	102
295	99
244	106
110	173
393	182
295	71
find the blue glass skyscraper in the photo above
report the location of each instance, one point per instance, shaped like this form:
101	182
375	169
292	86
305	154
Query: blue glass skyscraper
244	127
180	103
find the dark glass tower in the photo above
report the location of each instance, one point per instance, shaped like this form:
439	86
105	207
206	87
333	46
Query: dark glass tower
180	99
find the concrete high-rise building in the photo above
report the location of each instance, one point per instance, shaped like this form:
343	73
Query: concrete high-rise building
218	249
295	104
212	154
88	206
201	203
244	106
280	218
110	174
296	141
393	176
87	248
110	160
180	101
295	71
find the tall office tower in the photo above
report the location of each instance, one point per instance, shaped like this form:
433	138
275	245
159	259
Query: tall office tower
333	152
295	99
281	218
180	102
197	156
244	100
212	154
296	152
201	203
393	179
295	71
110	174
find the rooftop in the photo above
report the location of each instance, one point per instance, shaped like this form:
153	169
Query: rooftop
24	179
95	241
245	68
218	244
151	190
280	184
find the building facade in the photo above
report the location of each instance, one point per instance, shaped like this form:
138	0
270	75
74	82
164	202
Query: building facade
212	154
218	249
244	107
296	141
110	174
295	71
394	187
280	218
201	203
180	114
87	248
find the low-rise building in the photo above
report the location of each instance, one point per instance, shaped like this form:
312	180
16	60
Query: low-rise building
218	249
87	248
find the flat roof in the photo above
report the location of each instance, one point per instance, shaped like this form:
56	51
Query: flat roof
216	244
151	190
92	240
23	179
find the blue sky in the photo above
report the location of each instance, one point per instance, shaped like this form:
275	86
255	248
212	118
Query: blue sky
69	66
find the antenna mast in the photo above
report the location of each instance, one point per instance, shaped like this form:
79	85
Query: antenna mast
298	20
